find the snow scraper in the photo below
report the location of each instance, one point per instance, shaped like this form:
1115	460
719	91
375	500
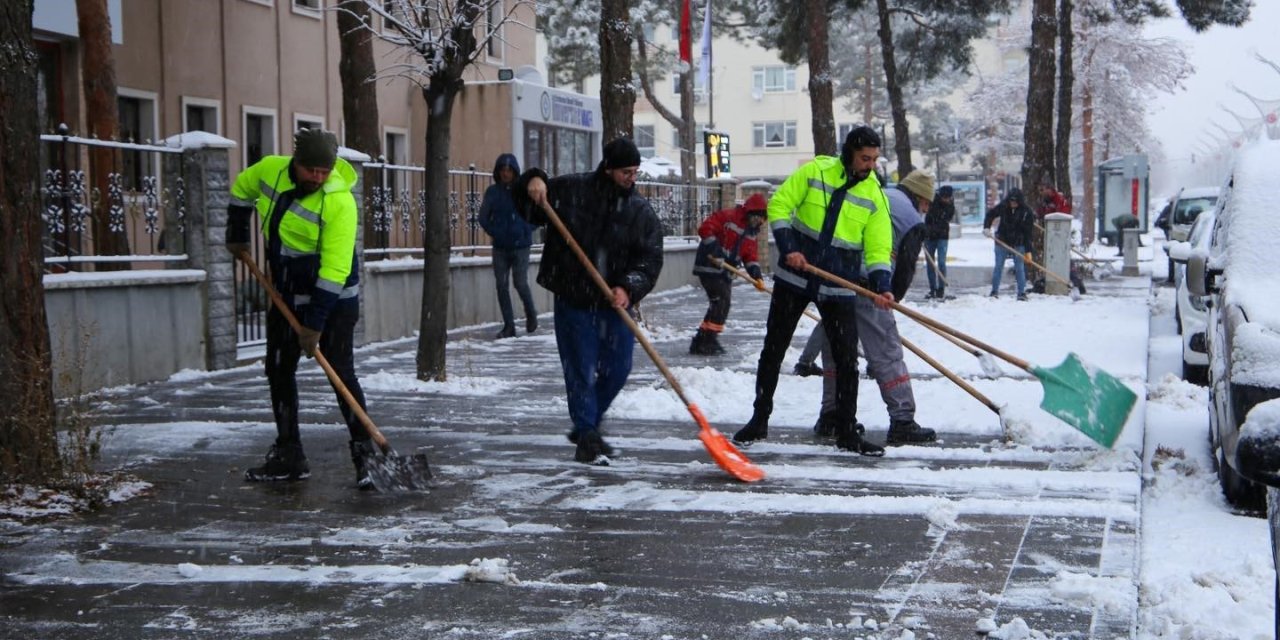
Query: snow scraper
1093	401
722	451
387	470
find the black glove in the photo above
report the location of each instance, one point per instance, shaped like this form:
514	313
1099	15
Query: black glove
754	271
238	248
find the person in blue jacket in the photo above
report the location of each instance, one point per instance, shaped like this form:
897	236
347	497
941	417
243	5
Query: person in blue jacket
512	237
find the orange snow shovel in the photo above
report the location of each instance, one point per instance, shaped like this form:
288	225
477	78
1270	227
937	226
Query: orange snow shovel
722	451
1090	399
388	470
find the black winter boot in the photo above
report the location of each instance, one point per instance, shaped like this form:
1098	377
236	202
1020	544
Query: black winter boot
849	438
362	454
825	427
908	432
706	343
506	332
756	429
591	449
284	462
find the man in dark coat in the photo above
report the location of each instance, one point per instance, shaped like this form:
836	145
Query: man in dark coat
728	235
512	238
618	230
1014	222
937	230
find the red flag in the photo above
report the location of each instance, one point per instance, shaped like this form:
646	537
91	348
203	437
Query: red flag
686	35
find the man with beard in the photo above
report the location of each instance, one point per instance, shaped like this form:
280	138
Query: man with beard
308	219
833	214
619	232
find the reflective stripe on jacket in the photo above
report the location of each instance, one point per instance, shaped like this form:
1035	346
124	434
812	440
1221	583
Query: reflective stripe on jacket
862	233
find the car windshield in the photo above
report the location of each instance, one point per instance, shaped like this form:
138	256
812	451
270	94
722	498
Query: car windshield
1189	208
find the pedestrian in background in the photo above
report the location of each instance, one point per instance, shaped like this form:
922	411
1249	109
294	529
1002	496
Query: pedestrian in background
296	198
833	214
512	238
615	226
728	236
1014	222
937	225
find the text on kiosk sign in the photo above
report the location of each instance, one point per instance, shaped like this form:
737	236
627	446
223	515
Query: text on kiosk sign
565	110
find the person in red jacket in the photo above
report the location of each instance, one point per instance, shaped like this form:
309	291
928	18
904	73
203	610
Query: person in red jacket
729	235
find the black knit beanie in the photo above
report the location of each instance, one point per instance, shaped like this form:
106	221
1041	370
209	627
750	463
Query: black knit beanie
315	148
621	153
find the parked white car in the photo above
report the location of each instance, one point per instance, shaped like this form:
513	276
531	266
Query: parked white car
1191	311
1187	206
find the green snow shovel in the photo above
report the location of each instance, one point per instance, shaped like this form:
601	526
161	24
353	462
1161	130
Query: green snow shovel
1087	398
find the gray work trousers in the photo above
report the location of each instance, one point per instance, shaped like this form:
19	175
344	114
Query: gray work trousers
882	348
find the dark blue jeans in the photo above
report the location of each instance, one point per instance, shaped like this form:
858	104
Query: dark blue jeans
512	265
937	249
595	353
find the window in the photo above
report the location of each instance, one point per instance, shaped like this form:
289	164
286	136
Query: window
558	151
259	134
773	134
314	5
493	47
699	87
200	114
775	79
304	121
395	145
644	140
136	111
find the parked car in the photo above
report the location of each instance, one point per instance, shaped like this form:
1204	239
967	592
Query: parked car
1187	206
1243	321
1191	311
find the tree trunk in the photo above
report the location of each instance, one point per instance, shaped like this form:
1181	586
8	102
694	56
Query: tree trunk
901	129
1066	78
688	148
617	90
28	447
1086	162
434	324
356	70
821	94
99	79
868	88
1037	133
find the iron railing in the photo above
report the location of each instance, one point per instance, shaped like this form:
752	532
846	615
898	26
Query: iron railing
127	208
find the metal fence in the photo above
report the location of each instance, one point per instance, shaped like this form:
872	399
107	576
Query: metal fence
110	212
396	199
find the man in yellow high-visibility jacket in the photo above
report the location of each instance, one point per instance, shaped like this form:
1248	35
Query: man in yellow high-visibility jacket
831	213
309	220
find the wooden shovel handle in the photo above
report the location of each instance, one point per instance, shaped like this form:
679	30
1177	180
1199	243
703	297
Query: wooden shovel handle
745	276
923	319
951	376
1077	251
608	294
324	362
936	270
1033	263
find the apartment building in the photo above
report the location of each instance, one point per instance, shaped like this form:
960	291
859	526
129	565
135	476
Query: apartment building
254	71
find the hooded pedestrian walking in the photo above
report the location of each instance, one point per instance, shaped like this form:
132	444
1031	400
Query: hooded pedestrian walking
512	238
1014	222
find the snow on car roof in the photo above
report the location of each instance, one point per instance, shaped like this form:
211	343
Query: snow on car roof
1198	192
1247	257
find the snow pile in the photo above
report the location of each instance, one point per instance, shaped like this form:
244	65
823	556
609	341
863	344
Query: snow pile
494	570
26	502
1263	422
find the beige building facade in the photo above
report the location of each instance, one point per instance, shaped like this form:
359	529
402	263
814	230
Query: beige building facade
254	71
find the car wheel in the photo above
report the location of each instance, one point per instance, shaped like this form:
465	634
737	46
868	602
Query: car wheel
1240	492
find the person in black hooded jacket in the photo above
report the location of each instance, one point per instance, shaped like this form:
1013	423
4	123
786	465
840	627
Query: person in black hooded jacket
617	228
512	237
1014	224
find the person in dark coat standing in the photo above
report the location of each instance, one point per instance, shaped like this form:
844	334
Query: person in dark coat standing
728	235
1014	222
617	228
937	233
512	237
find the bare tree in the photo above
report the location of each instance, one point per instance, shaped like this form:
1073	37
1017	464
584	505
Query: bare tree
617	89
1062	146
357	72
440	39
821	93
28	447
1037	135
98	75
